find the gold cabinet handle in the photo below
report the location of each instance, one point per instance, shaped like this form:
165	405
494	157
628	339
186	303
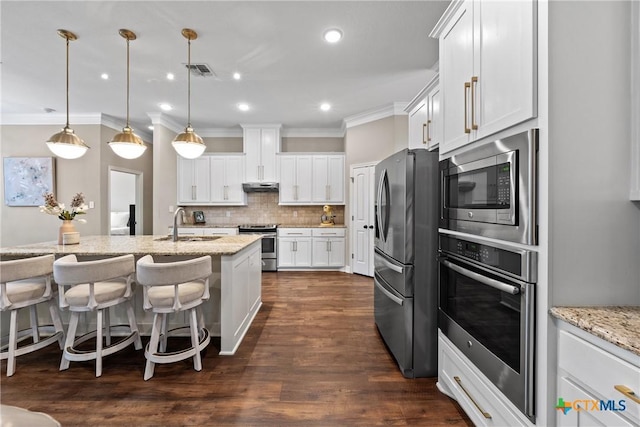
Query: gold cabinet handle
627	392
429	130
467	86
482	411
474	83
424	126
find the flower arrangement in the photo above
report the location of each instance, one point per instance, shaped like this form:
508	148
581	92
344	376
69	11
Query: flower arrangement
53	207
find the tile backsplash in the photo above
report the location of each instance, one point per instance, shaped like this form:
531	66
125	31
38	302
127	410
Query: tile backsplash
263	208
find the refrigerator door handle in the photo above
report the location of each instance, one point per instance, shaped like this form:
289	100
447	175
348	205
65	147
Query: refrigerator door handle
388	294
381	224
397	269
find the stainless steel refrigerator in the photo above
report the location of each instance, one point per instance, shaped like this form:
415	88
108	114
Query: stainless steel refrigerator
406	248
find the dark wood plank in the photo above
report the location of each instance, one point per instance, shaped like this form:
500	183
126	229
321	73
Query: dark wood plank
312	357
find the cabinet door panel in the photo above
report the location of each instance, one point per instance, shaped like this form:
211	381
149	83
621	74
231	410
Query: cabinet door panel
234	177
286	252
435	126
303	252
417	121
336	252
252	150
269	150
504	65
287	179
335	179
456	62
217	179
303	178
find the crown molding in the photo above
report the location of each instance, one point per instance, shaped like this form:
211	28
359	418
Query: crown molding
394	109
52	119
312	133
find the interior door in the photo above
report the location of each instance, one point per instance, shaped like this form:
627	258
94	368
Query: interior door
363	219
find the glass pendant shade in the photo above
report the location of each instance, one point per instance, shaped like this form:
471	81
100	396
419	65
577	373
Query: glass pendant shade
66	144
188	144
127	144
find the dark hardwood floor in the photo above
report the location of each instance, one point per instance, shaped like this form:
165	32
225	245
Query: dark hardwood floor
312	357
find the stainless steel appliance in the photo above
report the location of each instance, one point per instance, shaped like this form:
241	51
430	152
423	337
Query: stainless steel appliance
490	190
405	259
269	243
487	310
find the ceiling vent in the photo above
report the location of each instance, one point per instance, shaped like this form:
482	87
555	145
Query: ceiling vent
201	70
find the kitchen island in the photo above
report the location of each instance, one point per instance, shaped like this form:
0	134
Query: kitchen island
235	283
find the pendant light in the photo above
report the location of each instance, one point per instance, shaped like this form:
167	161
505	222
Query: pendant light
188	144
67	144
127	144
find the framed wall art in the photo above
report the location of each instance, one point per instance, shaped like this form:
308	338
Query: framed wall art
26	179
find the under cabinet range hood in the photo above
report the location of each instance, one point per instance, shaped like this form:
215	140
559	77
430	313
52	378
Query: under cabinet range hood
260	187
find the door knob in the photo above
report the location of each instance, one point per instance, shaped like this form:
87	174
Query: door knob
371	226
364	226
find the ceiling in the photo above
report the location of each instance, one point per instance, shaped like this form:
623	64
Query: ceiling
287	68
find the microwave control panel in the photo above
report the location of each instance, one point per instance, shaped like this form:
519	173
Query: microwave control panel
503	181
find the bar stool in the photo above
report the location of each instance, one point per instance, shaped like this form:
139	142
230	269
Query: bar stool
170	288
26	283
96	286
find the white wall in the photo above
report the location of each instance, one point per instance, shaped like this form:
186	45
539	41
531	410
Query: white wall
594	234
123	191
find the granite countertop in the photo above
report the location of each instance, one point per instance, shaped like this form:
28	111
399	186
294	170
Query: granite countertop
136	245
619	325
314	225
205	226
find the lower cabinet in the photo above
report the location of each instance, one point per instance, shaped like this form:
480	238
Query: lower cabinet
328	247
480	399
294	247
311	247
595	386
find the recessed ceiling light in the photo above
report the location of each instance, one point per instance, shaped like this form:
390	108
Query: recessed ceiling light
170	76
166	107
325	106
104	76
236	76
243	107
150	127
333	36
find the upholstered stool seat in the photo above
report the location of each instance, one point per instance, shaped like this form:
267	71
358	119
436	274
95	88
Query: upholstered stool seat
96	286
26	283
170	288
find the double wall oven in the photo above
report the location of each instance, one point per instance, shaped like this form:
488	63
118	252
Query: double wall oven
487	267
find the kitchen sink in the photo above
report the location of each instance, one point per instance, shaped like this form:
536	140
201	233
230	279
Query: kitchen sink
188	238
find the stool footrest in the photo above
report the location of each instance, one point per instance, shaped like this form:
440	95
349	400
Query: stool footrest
175	356
75	355
24	334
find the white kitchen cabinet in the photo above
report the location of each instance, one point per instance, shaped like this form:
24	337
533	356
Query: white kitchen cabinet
219	231
424	117
261	144
295	179
477	396
587	372
294	247
227	176
194	181
487	68
328	247
328	179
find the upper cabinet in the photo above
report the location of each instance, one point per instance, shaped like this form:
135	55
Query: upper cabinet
487	68
227	175
424	117
315	179
194	181
211	180
295	179
328	179
261	144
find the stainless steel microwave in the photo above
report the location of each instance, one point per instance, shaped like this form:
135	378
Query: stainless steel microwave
491	189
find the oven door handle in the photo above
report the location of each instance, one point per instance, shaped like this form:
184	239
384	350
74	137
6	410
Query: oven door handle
513	290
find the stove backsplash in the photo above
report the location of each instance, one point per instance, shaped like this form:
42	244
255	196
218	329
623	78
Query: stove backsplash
263	208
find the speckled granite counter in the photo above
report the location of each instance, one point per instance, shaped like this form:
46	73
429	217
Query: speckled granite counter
618	325
136	245
310	226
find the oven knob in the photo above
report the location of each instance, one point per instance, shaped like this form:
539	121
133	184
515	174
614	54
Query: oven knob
470	214
469	344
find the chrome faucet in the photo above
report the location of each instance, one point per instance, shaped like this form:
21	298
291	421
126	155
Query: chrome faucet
175	223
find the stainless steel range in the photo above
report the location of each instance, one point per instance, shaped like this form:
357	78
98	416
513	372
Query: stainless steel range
269	243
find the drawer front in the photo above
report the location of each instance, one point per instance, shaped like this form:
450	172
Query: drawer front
328	232
599	371
580	414
482	405
294	232
222	231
